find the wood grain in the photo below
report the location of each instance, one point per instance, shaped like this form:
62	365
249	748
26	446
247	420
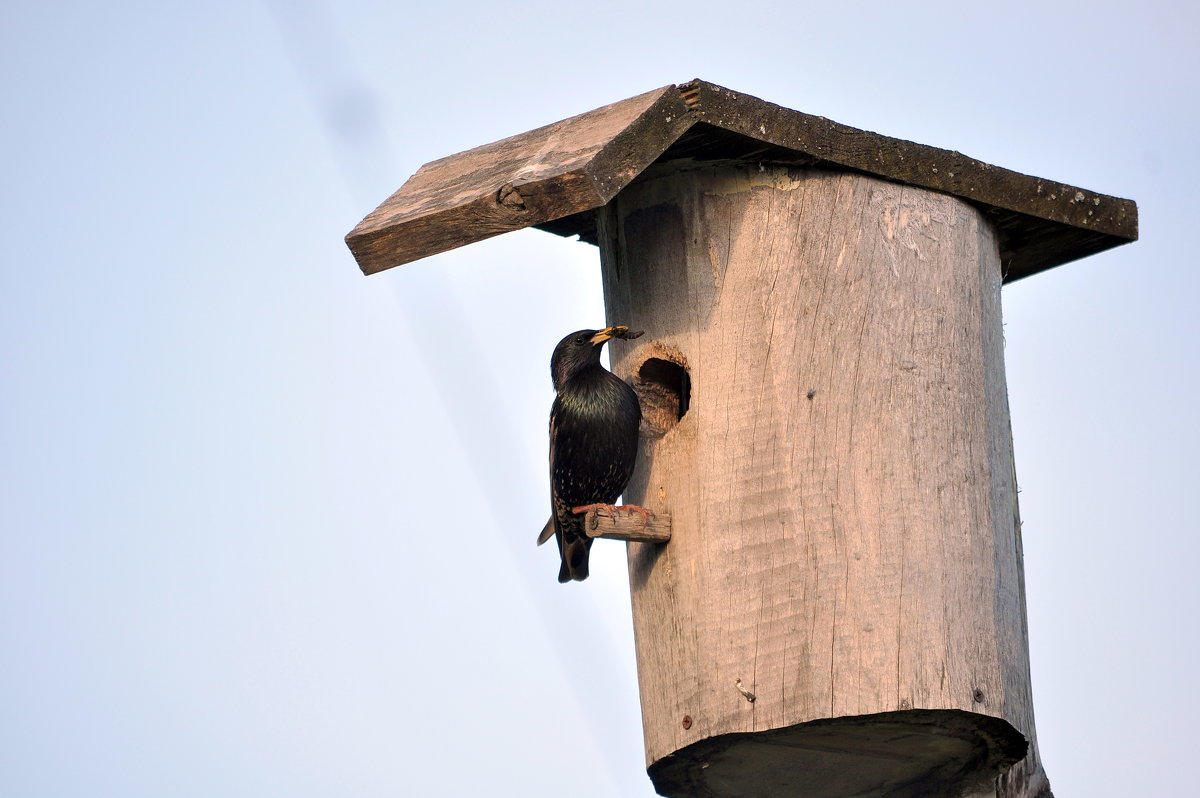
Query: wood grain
554	171
845	540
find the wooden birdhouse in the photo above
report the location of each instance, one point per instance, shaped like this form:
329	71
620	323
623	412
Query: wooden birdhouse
840	609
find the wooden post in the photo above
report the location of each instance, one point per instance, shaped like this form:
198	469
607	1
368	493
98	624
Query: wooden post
846	547
830	600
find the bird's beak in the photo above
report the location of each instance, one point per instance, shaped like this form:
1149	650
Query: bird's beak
607	333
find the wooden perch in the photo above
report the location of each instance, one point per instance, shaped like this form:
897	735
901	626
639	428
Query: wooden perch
619	523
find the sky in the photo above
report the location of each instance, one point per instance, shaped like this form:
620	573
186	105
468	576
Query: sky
266	525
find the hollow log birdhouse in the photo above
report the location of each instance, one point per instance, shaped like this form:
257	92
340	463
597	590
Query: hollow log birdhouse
840	609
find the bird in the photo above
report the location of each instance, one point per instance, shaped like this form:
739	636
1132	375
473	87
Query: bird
594	425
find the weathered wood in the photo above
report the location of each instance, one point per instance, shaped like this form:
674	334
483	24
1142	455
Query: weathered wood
1041	223
557	170
618	523
833	447
556	177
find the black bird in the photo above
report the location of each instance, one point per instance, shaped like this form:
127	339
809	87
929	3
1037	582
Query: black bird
593	441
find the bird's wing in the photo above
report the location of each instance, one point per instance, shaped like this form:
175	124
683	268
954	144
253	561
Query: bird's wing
548	529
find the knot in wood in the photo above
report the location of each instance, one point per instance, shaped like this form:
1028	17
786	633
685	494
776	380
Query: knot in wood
510	197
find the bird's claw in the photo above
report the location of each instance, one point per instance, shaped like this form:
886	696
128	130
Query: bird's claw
642	511
628	508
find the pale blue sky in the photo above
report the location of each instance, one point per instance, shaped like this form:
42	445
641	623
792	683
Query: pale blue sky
244	551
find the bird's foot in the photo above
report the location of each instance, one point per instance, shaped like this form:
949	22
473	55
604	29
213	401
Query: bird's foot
587	508
631	508
642	511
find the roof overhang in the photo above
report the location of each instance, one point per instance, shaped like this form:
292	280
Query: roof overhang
555	177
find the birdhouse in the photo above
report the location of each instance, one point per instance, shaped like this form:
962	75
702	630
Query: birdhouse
840	609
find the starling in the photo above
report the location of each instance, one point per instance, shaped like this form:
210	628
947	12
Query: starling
593	441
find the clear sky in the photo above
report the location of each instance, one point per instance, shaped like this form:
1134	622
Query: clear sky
266	525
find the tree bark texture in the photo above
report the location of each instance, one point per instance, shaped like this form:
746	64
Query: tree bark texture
827	426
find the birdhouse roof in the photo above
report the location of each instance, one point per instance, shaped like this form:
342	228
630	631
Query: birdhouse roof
555	177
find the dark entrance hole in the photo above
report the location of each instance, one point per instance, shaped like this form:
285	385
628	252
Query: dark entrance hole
665	391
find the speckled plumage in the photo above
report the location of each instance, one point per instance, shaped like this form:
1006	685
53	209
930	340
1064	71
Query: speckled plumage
593	442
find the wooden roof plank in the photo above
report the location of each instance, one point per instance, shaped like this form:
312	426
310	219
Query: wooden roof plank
555	177
570	166
947	171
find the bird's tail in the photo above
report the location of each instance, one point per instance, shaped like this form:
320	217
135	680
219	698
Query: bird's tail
574	552
572	547
547	531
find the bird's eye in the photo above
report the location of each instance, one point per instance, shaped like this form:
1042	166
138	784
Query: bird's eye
583	339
